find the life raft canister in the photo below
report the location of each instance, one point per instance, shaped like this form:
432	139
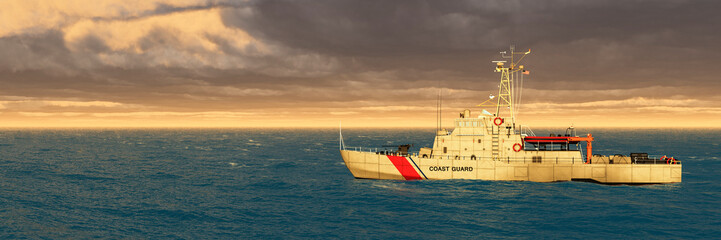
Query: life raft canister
517	147
498	121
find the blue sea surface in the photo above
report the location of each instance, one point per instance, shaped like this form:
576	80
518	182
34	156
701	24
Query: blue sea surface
284	183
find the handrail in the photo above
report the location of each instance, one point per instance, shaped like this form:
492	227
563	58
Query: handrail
526	130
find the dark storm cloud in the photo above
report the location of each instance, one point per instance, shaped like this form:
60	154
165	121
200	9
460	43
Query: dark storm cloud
360	28
40	51
596	44
420	27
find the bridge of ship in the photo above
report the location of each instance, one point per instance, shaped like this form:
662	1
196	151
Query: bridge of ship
562	142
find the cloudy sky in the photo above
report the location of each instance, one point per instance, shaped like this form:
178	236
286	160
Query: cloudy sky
218	63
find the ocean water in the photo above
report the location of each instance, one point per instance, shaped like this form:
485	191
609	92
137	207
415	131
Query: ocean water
280	183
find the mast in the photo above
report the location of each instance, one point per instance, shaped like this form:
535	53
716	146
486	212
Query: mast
506	90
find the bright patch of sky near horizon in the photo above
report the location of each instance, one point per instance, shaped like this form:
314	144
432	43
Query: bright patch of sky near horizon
222	63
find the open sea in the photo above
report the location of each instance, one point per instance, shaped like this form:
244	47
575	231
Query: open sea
284	183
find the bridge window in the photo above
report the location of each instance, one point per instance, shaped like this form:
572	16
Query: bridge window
445	149
547	146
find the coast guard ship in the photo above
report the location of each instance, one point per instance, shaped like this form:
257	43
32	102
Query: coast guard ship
494	147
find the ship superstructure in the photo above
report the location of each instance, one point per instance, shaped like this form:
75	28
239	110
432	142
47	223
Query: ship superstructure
492	146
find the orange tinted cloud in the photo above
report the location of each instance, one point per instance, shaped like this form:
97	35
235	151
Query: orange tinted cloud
31	16
187	41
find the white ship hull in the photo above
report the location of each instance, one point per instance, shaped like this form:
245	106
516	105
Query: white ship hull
371	165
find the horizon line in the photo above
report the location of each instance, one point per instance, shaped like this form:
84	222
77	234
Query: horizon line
331	127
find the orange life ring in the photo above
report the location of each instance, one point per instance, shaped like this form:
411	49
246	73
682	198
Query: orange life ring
664	158
495	121
519	147
672	160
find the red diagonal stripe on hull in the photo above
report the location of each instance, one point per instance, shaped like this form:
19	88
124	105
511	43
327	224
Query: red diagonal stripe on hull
404	167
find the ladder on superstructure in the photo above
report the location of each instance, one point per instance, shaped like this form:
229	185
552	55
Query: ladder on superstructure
495	145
